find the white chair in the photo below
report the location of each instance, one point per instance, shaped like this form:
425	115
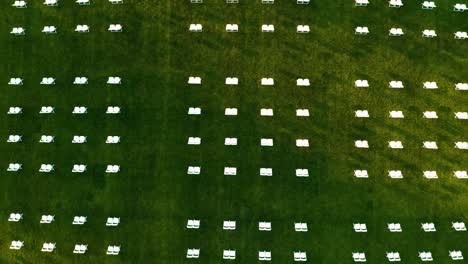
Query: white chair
14	138
302	82
15	81
47	219
193	253
46	110
194	141
461	174
230	141
393	256
193	224
461	86
113	110
49	30
394	227
461	35
428	227
79	220
232	28
13	167
230	171
46	168
194	111
78	168
361	174
429	33
396	32
264	226
230	111
460	7
80	80
302	173
193	170
302	143
113	221
430	85
80	249
47	81
266	142
268	172
456	255
459	226
361	2
359	257
395	174
430	145
82	28
430	174
114	80
301	227
425	256
229	254
196	1
268	28
16	244
83	2
396	84
229	225
461	145
428	5
302	112
361	113
116	2
195	28
300	256
18	31
14	110
303	2
303	29
15	217
395	3
232	81
112	168
267	81
20	4
396	114
361	83
79	139
232	1
264	255
115	28
51	2
266	112
361	31
395	144
461	115
194	80
113	250
112	140
361	144
360	228
48	247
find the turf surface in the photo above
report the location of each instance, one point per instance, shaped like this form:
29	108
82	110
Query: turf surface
154	196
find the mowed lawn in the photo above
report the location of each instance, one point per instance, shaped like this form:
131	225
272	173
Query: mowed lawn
153	195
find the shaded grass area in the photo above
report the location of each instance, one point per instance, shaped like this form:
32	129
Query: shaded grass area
153	195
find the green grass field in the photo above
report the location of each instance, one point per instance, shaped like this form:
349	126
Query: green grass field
153	195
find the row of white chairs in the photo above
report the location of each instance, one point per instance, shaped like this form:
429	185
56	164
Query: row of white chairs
53	29
398	174
396	144
396	227
397	32
75	140
24	4
230	171
231	225
47	167
48	247
51	80
16	110
235	28
427	5
399	84
264	142
394	256
399	114
77	220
